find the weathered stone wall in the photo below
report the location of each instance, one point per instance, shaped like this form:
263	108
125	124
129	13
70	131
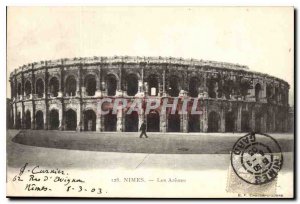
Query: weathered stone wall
231	98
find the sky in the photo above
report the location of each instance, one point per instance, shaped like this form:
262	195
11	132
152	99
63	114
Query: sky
260	37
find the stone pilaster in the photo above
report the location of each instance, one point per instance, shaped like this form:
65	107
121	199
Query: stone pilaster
239	118
163	121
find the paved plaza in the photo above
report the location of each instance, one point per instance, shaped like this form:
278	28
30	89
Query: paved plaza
191	151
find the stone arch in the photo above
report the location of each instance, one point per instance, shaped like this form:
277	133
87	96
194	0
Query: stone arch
71	119
90	83
19	89
258	89
18	120
54	119
39	120
39	87
27	88
132	122
132	84
211	86
153	121
110	122
112	84
245	125
71	85
54	86
89	120
194	86
213	122
174	85
258	117
153	84
194	123
173	122
27	119
229	121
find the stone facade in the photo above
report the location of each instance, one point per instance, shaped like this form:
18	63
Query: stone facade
65	95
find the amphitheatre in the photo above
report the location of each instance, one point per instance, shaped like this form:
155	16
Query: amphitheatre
65	95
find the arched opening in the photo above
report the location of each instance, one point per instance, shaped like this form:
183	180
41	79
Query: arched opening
54	87
27	120
269	91
257	91
173	89
110	122
213	122
27	88
90	85
153	85
89	120
132	85
111	82
228	88
39	88
194	123
153	121
39	120
54	119
132	122
244	87
71	86
18	121
71	120
193	87
19	89
245	127
174	122
229	122
258	117
211	88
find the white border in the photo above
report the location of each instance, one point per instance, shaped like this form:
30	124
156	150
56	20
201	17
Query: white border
5	3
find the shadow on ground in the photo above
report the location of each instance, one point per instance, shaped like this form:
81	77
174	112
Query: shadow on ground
130	143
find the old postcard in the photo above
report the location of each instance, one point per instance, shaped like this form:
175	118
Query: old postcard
150	102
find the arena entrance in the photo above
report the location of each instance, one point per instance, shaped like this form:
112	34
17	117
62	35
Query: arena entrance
18	121
229	122
258	117
213	122
174	122
153	121
27	120
132	85
39	120
54	119
194	123
89	120
110	122
245	121
71	120
132	122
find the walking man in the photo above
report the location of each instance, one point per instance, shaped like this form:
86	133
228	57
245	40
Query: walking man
143	130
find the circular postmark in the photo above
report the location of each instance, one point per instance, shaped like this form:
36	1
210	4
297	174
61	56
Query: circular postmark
256	158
